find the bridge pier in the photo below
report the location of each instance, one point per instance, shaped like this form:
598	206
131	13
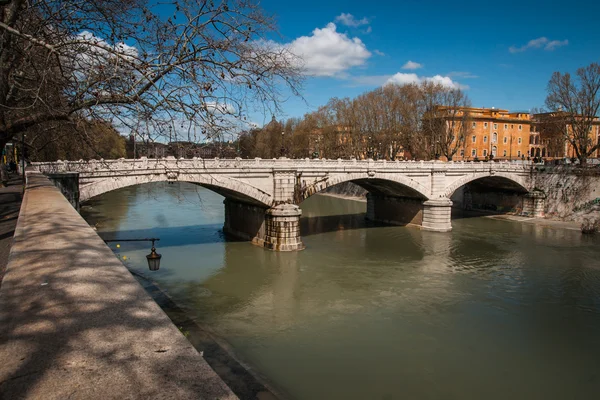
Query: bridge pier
282	231
437	215
533	204
276	228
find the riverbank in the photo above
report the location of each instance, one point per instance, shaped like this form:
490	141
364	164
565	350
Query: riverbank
218	353
544	222
76	324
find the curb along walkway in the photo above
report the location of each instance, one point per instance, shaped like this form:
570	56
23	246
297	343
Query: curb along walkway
75	324
10	203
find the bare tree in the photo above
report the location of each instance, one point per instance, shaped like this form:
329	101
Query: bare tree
446	122
180	67
574	102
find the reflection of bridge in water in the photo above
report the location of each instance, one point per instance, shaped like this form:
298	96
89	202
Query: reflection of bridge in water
262	197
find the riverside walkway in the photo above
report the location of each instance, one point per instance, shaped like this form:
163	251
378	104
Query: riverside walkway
75	324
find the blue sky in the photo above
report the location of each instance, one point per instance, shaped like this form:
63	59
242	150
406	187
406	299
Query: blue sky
501	53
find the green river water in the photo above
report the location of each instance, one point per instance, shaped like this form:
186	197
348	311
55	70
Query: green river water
492	310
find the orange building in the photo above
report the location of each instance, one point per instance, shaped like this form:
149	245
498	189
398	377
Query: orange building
492	131
549	131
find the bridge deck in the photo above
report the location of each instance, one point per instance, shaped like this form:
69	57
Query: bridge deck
74	323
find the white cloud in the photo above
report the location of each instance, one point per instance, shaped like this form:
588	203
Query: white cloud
462	74
379	53
404	79
554	44
412	65
538	43
349	20
328	52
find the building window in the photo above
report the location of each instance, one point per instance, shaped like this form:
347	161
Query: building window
520	127
485	124
494	137
519	153
512	126
505	139
485	152
495	126
485	139
505	126
494	151
473	138
520	140
462	153
504	153
473	152
474	124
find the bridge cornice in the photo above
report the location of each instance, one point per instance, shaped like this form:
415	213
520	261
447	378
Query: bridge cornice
145	164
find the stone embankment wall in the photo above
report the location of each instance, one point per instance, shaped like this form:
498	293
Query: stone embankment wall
571	194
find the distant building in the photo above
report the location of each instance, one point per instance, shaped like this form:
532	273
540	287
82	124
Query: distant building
490	132
138	148
550	132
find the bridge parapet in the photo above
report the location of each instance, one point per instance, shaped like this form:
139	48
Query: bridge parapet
239	163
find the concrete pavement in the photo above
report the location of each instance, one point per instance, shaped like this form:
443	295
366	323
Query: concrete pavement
75	324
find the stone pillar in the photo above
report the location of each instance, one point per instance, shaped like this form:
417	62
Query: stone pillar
282	224
438	179
437	215
284	182
68	183
533	204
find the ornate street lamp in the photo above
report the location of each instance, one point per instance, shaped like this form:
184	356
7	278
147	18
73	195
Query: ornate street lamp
153	258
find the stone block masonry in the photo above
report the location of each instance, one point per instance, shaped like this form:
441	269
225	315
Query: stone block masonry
283	228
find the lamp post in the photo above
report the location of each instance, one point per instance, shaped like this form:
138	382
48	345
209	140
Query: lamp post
153	258
282	147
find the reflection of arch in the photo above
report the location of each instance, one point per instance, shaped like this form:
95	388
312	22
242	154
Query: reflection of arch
515	179
228	187
392	184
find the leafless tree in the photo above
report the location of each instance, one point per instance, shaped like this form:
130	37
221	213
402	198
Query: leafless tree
574	103
158	68
446	122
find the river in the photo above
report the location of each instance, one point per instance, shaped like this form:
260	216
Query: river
493	310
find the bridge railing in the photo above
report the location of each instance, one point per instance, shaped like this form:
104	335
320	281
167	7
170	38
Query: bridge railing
238	163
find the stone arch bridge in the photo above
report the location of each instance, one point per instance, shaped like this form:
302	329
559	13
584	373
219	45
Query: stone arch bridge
262	197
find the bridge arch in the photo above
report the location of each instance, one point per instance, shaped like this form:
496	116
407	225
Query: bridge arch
227	187
519	182
394	185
